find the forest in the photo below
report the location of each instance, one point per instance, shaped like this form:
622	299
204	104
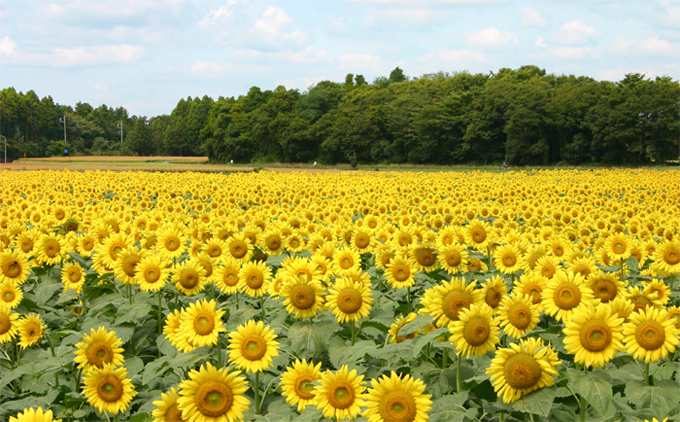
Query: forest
521	116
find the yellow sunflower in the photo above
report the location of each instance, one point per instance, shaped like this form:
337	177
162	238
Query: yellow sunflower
171	242
593	335
240	248
621	307
189	277
349	300
662	291
210	265
476	234
508	259
584	266
297	383
533	254
226	276
445	301
340	394
452	258
606	286
397	398
50	249
303	297
167	409
125	266
617	247
398	324
99	348
650	335
362	240
494	290
674	314
30	330
475	332
211	395
252	347
73	276
175	336
565	294
518	315
10	295
547	266
345	260
399	272
532	285
254	278
667	257
216	248
113	246
294	267
108	389
522	368
202	323
152	273
423	256
34	415
642	297
14	267
9	325
272	242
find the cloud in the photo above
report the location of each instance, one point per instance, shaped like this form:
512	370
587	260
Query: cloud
272	24
206	67
575	53
531	17
428	2
7	46
657	47
80	56
489	37
575	33
453	58
540	42
309	54
220	13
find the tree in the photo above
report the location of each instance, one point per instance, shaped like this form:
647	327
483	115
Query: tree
140	138
397	75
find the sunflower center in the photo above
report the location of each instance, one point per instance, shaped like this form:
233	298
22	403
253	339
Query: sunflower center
493	297
397	406
455	301
115	249
558	251
341	394
8	295
519	315
11	268
238	249
595	335
584	270
619	247
447	239
51	248
99	353
254	280
346	262
302	296
534	291
361	240
650	335
401	272
5	323
253	347
273	243
27	245
426	257
173	414
204	323
214	399
88	245
522	371
294	242
478	235
548	271
509	260
477	331
453	258
152	274
129	264
110	388
230	277
671	256
605	290
74	275
349	300
304	387
214	251
208	267
188	278
172	243
405	239
567	296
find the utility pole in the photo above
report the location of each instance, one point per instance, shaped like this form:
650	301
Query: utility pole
120	132
5	147
63	120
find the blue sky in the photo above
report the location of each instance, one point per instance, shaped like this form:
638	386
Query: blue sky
145	55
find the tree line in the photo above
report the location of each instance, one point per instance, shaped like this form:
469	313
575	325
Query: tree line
522	116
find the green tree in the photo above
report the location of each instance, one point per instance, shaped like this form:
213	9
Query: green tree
397	75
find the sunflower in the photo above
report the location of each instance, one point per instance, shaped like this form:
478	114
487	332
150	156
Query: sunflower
532	285
30	330
399	272
125	266
475	332
494	290
422	256
546	266
641	298
349	300
108	389
345	260
152	273
189	277
26	241
209	264
662	291
167	409
272	242
294	267
112	246
476	265
10	295
14	266
667	257
34	415
606	286
476	234
593	335
533	254
518	315
621	307
445	301
650	335
397	398
216	248
362	240
398	324
254	278
175	336
617	247
565	294
226	276
294	242
303	297
325	267
340	394
252	347
559	247
99	348
522	368
211	395
202	323
452	258
9	325
584	266
171	242
297	383
508	259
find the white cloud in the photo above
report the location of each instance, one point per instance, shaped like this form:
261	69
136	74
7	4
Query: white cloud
657	47
360	60
220	13
575	33
457	59
540	42
272	23
531	17
575	53
7	46
81	56
489	37
205	67
309	54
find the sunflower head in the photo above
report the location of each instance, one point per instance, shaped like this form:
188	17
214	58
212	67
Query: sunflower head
252	347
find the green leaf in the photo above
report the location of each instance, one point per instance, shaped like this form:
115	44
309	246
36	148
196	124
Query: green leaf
661	398
134	366
451	409
310	340
46	290
420	322
422	341
336	350
594	387
154	369
165	347
538	402
393	352
133	312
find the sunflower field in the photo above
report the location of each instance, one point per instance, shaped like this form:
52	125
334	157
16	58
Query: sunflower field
451	297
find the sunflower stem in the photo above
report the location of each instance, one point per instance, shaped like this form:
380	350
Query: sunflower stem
56	376
262	312
582	408
408	299
219	352
115	418
646	373
458	374
256	388
445	358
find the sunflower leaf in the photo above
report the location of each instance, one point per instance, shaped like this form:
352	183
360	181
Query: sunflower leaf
594	387
661	398
451	409
538	402
420	322
422	341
